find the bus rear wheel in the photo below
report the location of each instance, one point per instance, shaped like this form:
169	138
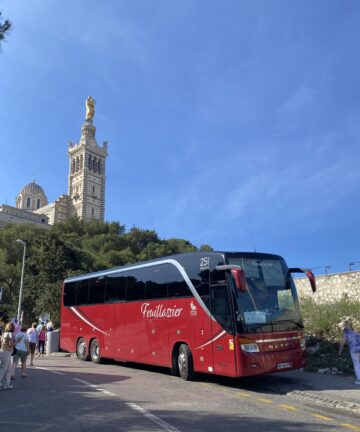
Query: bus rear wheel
81	351
185	363
95	351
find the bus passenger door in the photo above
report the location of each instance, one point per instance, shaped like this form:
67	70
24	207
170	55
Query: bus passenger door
223	341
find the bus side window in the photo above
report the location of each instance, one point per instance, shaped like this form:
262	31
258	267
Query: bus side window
115	288
82	296
220	307
156	287
177	287
136	285
96	290
204	292
70	294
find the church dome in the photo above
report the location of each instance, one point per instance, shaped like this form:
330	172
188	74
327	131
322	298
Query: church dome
32	188
31	197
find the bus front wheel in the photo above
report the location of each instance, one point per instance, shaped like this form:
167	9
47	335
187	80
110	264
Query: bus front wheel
95	351
185	363
81	350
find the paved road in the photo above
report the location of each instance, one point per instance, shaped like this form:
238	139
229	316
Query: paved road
64	394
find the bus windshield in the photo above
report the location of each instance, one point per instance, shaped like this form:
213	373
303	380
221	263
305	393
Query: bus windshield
270	302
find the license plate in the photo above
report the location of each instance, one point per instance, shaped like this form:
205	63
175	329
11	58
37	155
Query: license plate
284	365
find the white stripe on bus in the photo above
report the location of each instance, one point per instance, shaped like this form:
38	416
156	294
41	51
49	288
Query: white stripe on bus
152	264
87	322
212	340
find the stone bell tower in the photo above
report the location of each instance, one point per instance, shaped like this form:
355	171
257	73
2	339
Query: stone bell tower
87	160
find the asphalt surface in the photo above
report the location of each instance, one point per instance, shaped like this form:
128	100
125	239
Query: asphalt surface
65	394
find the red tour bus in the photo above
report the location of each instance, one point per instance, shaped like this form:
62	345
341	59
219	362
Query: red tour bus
232	314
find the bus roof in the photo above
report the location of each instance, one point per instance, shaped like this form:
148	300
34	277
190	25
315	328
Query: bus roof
176	257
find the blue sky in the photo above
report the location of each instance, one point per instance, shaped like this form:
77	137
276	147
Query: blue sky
233	123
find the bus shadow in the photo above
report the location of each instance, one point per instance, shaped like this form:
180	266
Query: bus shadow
277	383
272	384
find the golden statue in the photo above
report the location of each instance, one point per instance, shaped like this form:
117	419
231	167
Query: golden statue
90	108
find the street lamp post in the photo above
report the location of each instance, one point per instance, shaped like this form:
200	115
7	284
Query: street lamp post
352	264
327	268
21	280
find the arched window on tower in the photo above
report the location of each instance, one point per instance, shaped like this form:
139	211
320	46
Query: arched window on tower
90	162
73	166
99	166
28	202
94	164
77	164
81	162
38	203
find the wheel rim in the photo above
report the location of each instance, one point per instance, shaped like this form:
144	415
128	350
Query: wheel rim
95	351
82	348
182	362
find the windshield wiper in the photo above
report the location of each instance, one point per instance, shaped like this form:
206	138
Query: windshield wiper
288	320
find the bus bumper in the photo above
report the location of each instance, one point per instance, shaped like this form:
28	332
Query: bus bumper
264	363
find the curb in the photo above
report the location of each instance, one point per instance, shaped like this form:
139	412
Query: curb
59	354
349	405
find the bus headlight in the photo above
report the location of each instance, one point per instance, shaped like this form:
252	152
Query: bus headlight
250	348
302	343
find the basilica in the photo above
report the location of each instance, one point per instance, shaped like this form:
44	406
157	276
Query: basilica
86	185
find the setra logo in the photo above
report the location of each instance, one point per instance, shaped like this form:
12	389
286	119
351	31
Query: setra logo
193	309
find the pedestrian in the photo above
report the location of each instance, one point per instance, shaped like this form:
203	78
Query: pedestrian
22	351
40	326
7	347
33	340
42	340
353	340
49	326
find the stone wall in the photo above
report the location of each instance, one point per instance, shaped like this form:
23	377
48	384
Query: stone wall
331	287
9	214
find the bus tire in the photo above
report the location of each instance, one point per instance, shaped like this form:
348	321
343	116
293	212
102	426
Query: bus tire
174	362
81	350
185	363
95	351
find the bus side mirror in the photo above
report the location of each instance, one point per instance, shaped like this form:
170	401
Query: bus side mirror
311	278
308	273
239	278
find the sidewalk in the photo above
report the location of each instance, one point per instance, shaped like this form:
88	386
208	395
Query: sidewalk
335	391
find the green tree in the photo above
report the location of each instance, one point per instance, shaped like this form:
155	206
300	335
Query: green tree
206	248
70	248
4	28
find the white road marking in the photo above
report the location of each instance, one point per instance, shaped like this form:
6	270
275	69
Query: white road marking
166	426
107	392
50	370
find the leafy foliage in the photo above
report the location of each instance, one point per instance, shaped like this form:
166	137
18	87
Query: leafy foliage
70	248
321	320
323	334
4	28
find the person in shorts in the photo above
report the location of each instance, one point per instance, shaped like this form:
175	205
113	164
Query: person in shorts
22	351
33	340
